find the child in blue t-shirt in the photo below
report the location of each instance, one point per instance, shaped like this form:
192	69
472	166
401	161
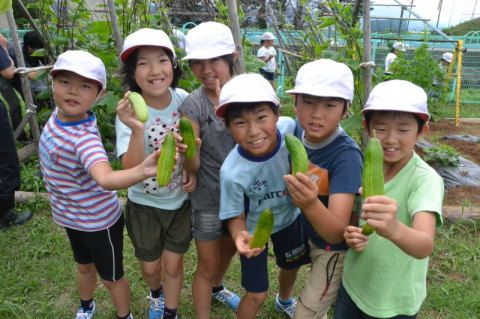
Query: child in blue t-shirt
323	93
251	180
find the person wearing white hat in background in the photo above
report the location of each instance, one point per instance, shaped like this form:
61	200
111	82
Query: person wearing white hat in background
384	274
323	94
443	63
392	56
180	37
157	218
446	58
80	181
211	53
251	180
268	54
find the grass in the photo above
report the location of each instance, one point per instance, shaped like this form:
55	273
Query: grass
38	275
467	110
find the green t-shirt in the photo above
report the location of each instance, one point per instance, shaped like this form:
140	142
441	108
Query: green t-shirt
382	280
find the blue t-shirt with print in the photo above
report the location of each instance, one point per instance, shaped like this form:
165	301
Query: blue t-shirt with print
251	184
336	167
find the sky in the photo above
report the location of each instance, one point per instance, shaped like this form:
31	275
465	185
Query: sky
452	13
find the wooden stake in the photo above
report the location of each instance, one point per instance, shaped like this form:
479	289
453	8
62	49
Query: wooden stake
235	27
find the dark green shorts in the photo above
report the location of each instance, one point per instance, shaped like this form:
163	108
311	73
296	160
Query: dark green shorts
153	230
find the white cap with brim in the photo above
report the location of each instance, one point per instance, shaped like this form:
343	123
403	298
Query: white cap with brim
399	46
447	56
245	88
324	78
398	95
268	36
209	40
146	37
82	63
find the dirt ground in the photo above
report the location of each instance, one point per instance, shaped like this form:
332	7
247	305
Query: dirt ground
461	195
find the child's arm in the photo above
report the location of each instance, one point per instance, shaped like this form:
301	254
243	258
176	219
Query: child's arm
329	222
417	241
237	227
135	153
189	181
192	166
109	179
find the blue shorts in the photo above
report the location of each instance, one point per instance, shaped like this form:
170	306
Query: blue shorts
345	308
104	248
291	249
270	76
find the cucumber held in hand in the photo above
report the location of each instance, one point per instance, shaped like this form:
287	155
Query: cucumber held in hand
298	154
141	109
166	160
372	175
263	229
186	131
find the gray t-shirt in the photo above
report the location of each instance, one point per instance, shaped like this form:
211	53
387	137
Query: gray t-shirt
216	144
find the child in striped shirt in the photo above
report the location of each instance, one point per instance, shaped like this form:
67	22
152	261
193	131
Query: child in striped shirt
80	181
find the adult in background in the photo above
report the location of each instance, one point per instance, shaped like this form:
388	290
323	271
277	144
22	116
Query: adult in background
392	56
9	164
31	43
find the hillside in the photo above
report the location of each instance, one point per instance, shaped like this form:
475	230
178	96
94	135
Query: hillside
464	27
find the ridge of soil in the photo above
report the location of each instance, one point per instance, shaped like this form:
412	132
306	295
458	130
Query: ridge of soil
460	195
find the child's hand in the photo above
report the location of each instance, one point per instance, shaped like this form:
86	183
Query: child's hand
150	164
354	238
302	189
182	148
381	212
242	241
189	181
126	114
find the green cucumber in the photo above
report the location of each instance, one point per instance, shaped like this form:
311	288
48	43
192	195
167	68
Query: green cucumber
297	153
372	175
186	131
263	229
166	160
138	103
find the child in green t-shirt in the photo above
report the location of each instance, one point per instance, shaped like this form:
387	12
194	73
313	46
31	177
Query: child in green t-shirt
385	273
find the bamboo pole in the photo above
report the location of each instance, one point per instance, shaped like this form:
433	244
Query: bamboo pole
367	50
116	29
459	48
27	92
34	26
235	27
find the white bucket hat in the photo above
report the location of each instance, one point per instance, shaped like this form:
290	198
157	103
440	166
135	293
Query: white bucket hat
399	46
245	88
209	40
447	56
146	37
82	63
325	78
268	36
398	95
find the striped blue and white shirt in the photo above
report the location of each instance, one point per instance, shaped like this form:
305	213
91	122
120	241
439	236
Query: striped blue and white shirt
68	150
